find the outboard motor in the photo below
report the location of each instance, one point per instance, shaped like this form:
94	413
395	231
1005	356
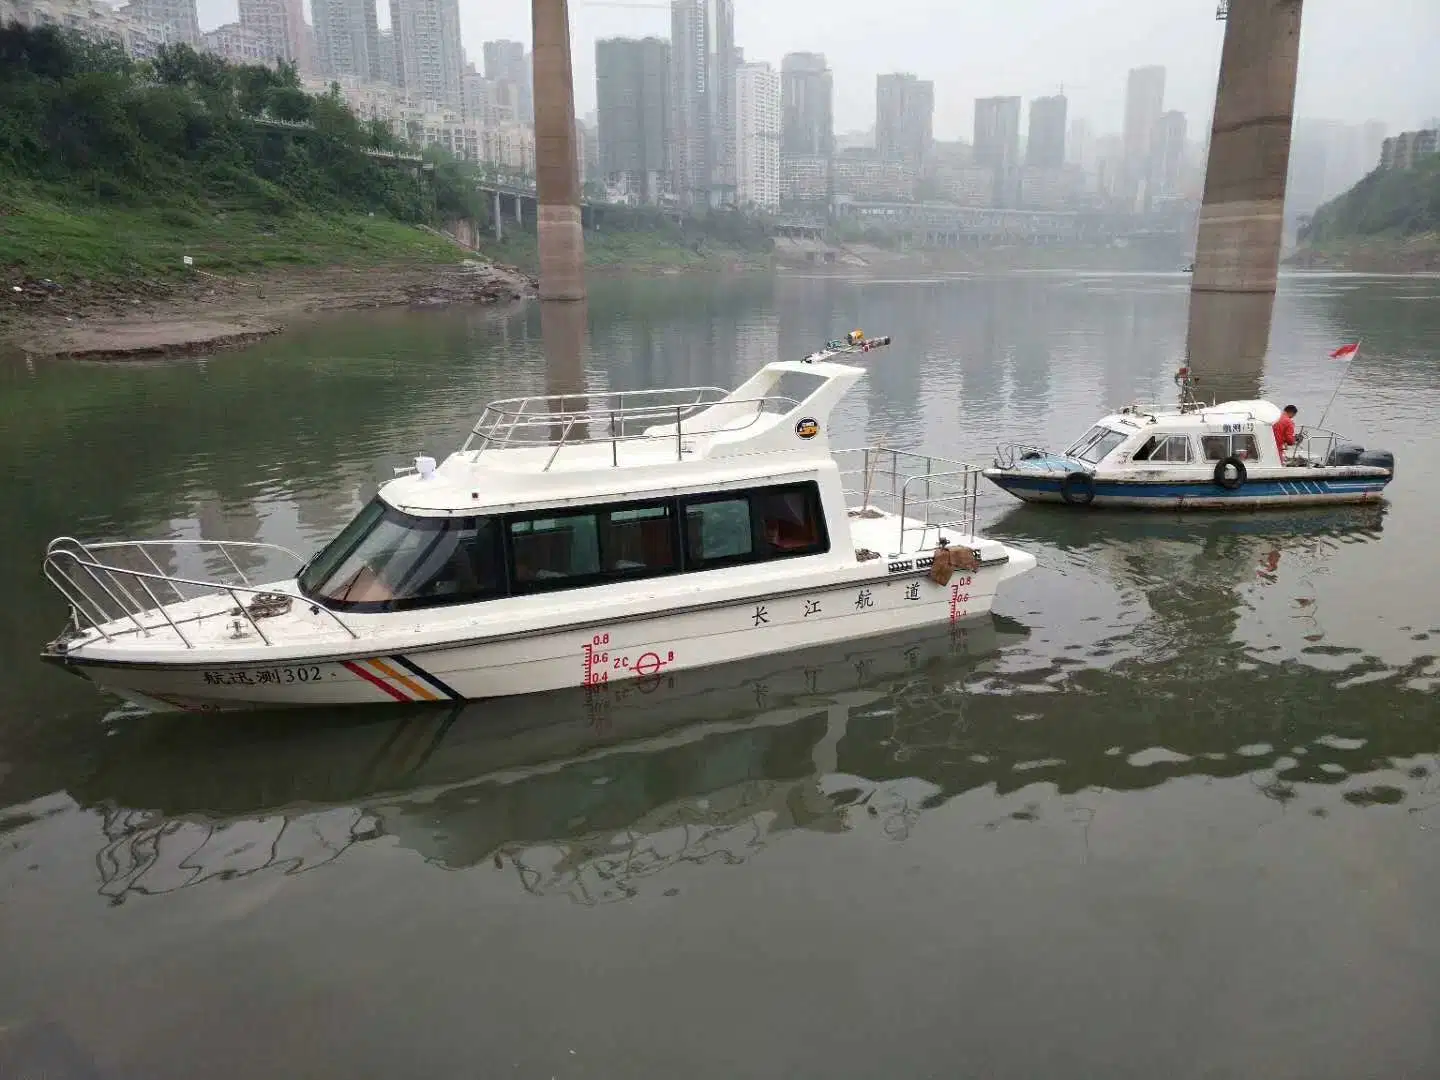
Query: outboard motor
1378	459
1344	453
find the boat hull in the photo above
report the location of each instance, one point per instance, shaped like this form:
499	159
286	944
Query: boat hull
593	655
1310	488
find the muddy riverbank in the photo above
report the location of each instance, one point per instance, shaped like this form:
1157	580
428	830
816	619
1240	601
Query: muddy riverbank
204	313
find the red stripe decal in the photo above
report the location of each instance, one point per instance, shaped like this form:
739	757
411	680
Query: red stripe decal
398	695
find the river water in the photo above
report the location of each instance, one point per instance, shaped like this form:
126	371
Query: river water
1174	810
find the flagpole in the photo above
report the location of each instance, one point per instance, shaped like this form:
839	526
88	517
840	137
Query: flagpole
1348	365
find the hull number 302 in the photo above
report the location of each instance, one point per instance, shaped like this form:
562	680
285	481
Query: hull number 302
263	676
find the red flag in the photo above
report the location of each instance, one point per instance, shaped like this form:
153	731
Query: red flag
1345	352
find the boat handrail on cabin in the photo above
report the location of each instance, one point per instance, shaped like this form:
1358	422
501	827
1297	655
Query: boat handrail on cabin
1163	408
561	420
766	414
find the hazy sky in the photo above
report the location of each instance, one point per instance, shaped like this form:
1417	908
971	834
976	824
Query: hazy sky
1358	60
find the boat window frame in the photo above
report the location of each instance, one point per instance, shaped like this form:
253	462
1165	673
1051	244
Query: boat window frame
761	548
411	523
1119	439
1230	438
1163	440
600	513
1089	439
676	508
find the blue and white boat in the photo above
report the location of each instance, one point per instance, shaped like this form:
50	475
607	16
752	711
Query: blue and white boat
1195	456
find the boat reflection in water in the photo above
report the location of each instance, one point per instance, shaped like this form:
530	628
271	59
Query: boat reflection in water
580	791
1170	665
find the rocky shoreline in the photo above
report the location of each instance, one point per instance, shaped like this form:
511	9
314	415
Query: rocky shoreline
202	314
1419	254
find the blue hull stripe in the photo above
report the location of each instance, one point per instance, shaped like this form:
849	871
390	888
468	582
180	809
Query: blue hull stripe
1253	489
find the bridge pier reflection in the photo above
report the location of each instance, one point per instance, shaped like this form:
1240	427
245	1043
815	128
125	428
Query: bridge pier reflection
1228	337
562	332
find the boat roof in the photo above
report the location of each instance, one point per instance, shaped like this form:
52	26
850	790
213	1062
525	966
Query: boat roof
593	445
1176	417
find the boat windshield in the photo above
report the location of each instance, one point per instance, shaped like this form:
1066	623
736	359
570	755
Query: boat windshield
386	560
1096	444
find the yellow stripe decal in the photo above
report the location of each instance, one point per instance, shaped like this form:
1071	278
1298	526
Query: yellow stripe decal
404	680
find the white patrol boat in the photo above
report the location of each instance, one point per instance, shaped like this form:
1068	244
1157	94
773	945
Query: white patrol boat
572	540
1195	456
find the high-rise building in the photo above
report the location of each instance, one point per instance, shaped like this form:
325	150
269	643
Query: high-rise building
1144	102
386	56
234	43
476	96
427	50
179	18
281	25
725	60
757	136
689	102
904	118
507	61
1311	147
997	144
1167	153
1080	146
632	91
587	151
1045	145
503	59
807	103
702	101
347	35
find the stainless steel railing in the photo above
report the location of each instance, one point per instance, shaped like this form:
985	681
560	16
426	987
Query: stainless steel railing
1009	454
568	420
115	599
926	493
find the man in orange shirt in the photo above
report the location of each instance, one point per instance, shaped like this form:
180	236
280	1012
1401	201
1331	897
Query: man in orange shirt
1285	429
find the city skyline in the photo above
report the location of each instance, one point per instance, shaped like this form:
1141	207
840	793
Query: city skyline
1086	52
1180	35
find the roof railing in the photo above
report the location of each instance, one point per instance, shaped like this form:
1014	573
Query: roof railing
561	421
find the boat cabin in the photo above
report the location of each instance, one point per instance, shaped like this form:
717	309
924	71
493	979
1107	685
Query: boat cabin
1144	438
573	491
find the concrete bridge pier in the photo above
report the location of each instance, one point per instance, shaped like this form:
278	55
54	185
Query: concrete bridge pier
557	180
1237	248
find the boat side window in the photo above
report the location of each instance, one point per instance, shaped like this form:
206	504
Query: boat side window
639	541
1219	447
1175	449
718	531
554	550
790	521
569	549
1147	450
766	523
387	560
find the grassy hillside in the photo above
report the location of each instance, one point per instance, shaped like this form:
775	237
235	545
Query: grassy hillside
1388	222
67	241
110	168
1388	202
113	170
